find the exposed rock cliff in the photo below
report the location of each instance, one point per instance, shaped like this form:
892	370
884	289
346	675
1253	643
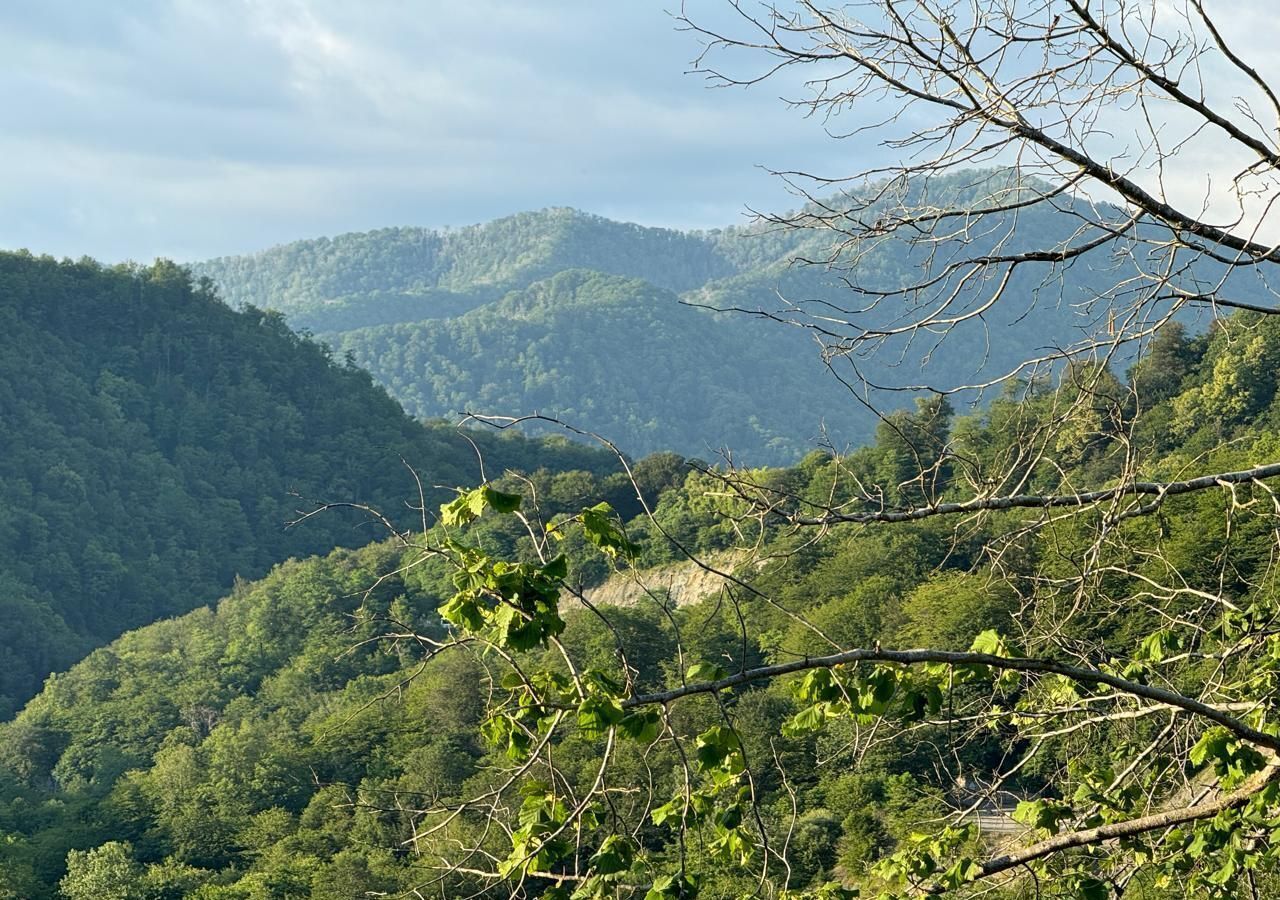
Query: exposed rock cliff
684	583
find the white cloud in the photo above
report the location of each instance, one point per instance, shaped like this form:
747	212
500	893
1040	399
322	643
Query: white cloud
196	127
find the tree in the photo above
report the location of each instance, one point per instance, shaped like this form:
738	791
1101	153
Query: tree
1135	679
108	872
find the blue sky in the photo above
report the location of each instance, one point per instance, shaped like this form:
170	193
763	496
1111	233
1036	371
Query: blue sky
193	128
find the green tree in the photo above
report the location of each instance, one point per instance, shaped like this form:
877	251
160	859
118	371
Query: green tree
1116	695
108	872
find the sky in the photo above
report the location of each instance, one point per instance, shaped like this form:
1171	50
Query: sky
195	128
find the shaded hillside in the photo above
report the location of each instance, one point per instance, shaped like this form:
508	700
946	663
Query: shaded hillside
656	371
622	357
408	274
152	446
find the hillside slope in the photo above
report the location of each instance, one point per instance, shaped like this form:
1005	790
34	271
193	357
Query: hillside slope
623	357
479	319
407	274
155	442
266	748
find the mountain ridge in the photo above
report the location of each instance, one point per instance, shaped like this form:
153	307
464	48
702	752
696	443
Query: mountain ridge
425	312
483	259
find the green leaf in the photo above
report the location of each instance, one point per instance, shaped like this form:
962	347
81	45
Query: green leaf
454	512
989	642
806	721
615	855
1200	844
673	887
469	505
641	726
503	733
961	873
513	630
460	510
671	810
557	569
1211	746
818	684
716	746
500	501
463	611
731	847
1042	814
600	527
1153	647
877	690
705	671
598	714
730	816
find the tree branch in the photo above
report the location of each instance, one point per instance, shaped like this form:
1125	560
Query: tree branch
1043	501
1079	674
1113	830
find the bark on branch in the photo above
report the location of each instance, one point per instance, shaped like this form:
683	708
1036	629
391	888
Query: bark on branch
1111	831
1043	501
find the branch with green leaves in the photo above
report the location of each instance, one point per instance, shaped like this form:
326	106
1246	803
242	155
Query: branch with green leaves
604	835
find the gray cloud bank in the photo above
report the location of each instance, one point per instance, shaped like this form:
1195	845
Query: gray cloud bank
193	128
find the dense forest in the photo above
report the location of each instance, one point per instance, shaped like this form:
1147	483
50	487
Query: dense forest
506	319
920	540
553	347
155	443
293	741
322	284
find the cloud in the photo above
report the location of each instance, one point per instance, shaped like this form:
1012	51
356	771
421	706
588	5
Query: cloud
192	128
197	127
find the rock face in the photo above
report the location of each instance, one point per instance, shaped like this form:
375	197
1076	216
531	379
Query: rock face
682	583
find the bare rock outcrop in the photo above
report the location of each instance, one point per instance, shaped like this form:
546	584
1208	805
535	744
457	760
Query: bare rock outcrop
682	583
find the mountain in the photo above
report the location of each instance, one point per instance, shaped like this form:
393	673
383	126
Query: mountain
407	274
622	356
155	442
275	746
507	318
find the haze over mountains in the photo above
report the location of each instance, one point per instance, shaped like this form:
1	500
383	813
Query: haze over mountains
612	327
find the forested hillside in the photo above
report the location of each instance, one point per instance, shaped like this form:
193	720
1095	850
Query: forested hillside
244	752
407	274
156	442
483	319
622	356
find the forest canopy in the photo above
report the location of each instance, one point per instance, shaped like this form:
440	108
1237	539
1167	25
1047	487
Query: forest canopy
316	734
156	443
615	328
1020	649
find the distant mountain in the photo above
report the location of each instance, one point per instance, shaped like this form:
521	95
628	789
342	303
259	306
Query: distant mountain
502	318
154	443
408	274
620	356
